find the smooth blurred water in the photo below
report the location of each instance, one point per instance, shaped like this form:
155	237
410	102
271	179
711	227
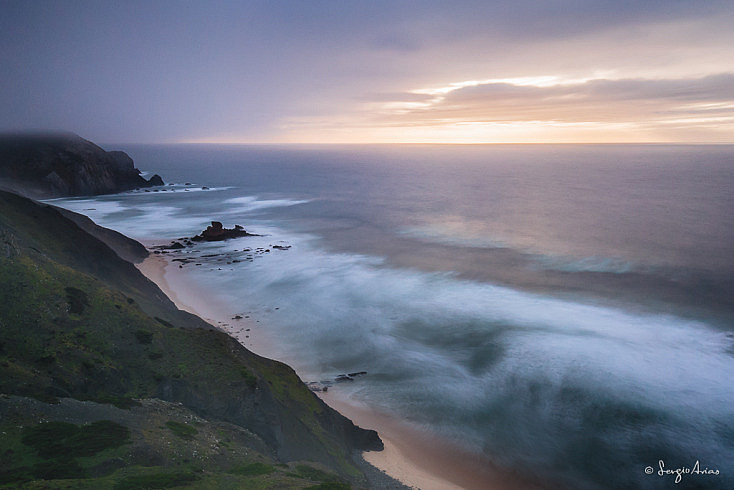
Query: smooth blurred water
565	310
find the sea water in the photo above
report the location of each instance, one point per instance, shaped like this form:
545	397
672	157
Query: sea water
565	310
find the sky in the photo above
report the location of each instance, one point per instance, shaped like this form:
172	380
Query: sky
370	71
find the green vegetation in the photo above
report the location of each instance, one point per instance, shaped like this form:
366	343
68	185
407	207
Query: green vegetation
77	300
330	486
52	450
250	379
181	430
253	469
315	474
144	336
64	440
108	454
104	384
155	480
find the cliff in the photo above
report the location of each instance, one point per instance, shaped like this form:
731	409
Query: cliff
104	383
46	165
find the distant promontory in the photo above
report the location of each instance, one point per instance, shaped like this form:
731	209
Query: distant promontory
59	164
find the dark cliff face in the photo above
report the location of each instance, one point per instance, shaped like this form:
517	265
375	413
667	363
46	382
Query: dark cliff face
77	321
64	164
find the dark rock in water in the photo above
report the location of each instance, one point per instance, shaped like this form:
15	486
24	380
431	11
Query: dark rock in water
349	377
216	232
281	247
64	164
156	180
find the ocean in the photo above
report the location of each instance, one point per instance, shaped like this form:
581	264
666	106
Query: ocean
566	311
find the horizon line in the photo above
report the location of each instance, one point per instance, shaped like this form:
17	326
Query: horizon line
548	143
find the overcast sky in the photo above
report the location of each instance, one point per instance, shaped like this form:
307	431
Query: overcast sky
370	71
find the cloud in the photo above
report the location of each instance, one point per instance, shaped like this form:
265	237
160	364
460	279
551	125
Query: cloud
409	97
601	100
245	71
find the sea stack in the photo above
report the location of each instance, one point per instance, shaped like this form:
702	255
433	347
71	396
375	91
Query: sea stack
216	232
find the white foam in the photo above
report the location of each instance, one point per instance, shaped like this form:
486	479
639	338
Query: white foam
155	221
614	265
456	233
94	208
249	204
140	220
350	310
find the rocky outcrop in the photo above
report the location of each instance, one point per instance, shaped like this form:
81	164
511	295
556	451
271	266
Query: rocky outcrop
155	181
216	232
64	164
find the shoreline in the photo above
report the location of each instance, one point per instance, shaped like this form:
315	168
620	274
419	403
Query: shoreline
411	456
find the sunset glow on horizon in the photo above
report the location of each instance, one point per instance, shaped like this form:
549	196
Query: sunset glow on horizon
383	72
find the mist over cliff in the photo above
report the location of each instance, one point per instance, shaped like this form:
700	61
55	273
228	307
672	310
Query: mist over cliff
52	164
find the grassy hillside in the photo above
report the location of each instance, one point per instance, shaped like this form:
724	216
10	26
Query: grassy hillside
85	338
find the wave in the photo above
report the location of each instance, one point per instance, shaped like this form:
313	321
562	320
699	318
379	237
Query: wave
460	233
613	265
253	203
91	207
456	232
145	216
529	379
142	220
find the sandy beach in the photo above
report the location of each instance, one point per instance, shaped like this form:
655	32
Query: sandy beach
413	457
